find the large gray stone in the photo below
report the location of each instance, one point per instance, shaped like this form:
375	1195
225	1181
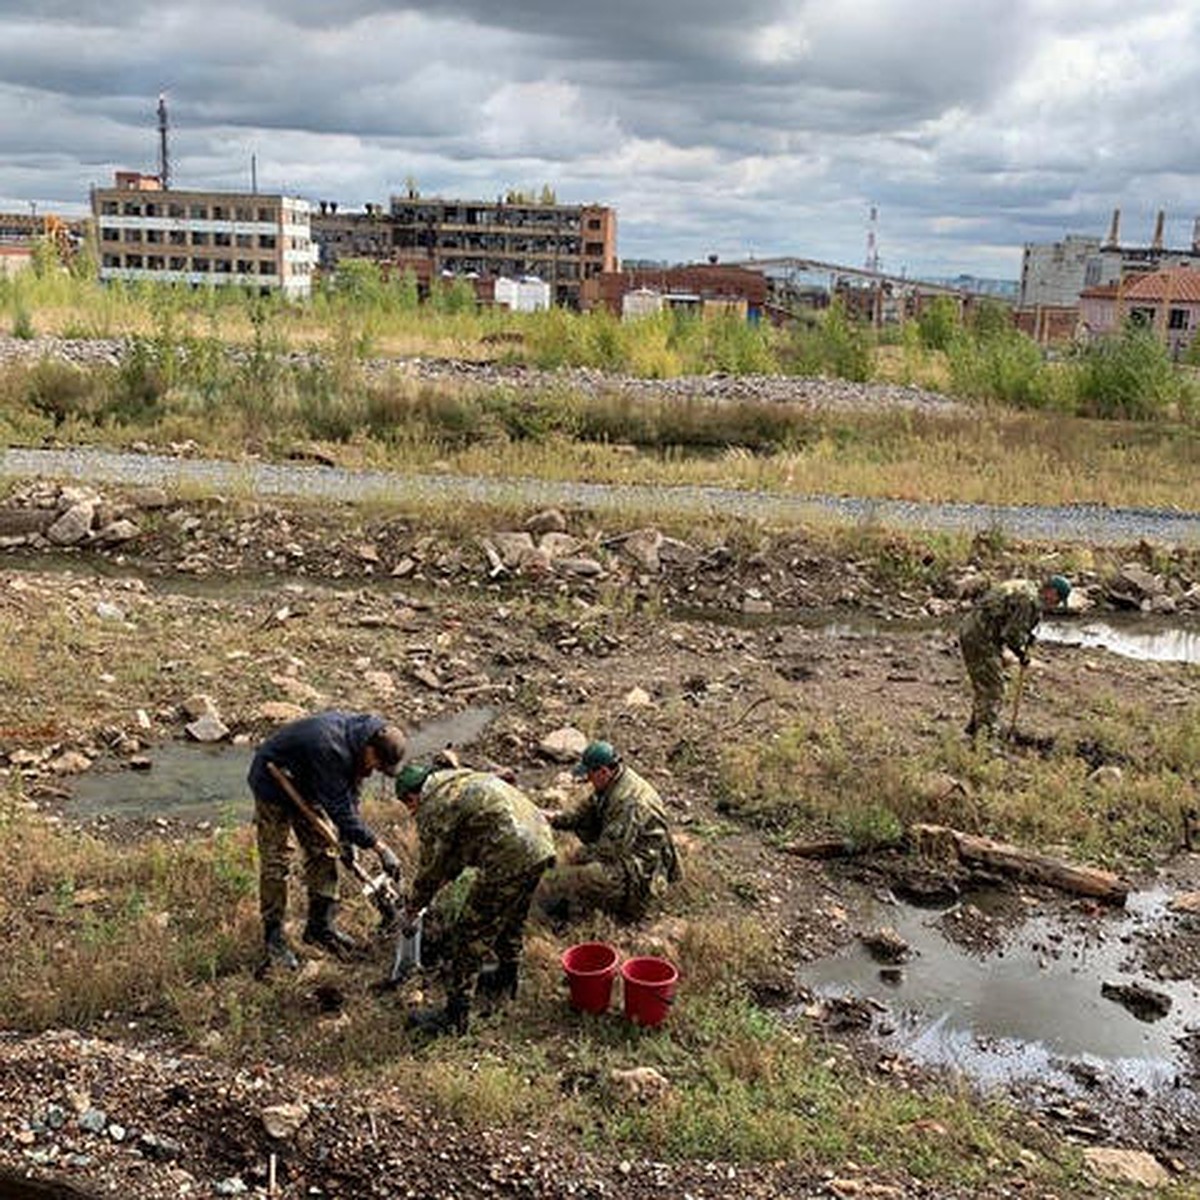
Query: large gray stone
72	526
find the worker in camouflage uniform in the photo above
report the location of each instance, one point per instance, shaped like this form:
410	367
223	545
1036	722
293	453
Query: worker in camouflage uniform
468	818
627	858
1005	616
327	756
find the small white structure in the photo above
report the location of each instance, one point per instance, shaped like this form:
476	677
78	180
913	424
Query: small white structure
640	302
527	294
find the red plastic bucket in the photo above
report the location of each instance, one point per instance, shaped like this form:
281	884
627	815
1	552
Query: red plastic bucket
649	989
590	968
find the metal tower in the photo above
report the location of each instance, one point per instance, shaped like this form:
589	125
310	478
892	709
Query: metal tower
164	163
872	263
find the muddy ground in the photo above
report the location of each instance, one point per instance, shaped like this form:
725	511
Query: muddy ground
279	605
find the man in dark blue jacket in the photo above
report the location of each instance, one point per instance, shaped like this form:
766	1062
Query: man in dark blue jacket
327	756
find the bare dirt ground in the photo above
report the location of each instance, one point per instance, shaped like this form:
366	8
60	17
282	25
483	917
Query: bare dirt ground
271	604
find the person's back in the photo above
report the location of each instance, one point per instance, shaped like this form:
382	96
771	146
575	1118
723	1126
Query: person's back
478	820
1006	615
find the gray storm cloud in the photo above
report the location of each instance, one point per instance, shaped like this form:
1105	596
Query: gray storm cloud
767	127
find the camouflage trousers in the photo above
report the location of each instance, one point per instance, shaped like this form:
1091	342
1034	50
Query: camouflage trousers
492	919
985	666
576	889
274	823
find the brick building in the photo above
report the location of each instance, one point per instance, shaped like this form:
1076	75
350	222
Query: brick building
699	287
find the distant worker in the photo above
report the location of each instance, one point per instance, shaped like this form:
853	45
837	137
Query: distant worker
1005	616
327	757
628	856
468	818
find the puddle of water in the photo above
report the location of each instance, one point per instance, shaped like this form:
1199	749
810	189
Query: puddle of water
1146	641
1019	1012
190	782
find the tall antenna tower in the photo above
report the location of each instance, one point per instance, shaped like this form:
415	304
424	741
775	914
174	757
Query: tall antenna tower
872	263
164	162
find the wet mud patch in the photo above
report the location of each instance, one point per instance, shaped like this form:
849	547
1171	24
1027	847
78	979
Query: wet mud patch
1026	996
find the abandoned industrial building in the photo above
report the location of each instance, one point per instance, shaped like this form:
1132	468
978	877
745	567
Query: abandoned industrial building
560	244
1057	277
241	239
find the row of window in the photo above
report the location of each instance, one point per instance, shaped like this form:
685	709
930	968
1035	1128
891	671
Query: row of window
180	237
195	212
198	264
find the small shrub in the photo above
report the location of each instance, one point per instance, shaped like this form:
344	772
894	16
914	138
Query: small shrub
1129	376
22	325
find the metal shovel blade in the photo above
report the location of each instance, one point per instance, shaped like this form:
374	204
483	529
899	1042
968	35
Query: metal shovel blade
408	950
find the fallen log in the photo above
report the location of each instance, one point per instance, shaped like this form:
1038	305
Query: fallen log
835	848
1025	864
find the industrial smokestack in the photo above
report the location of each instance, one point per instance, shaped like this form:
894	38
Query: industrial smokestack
164	163
1157	244
1114	230
1196	236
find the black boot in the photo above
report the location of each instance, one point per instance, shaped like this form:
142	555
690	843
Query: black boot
279	953
436	1021
497	984
320	930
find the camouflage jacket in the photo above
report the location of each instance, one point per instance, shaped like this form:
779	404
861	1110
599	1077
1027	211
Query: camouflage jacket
472	818
1005	616
626	824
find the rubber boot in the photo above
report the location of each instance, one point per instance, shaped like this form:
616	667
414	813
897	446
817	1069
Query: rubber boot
433	1022
496	985
279	953
320	929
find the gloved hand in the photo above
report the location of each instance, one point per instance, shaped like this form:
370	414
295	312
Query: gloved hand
388	860
346	854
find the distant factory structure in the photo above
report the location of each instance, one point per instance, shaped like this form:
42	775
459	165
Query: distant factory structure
254	240
514	239
1085	286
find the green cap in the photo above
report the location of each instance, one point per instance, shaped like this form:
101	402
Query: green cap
411	779
597	754
1061	585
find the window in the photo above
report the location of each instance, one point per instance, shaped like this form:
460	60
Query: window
154	235
245	266
594	223
198	212
595	249
152	210
243	214
266	267
133	260
199	239
218	213
222	239
108	208
202	265
108	234
266	214
111	260
133	235
266	241
131	210
1177	318
178	237
155	262
178	263
175	210
245	241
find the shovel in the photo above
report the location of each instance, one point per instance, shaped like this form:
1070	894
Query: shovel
408	951
1016	708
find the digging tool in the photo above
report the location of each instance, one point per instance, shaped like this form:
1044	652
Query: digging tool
380	889
408	950
1019	691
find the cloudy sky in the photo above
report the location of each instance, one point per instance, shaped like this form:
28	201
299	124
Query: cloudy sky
762	127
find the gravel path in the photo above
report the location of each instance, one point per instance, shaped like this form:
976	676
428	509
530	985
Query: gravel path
1091	524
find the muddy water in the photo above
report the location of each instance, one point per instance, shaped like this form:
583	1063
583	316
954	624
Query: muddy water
1030	1010
1147	641
194	783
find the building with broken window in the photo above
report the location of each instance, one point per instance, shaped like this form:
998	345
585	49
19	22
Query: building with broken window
252	240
